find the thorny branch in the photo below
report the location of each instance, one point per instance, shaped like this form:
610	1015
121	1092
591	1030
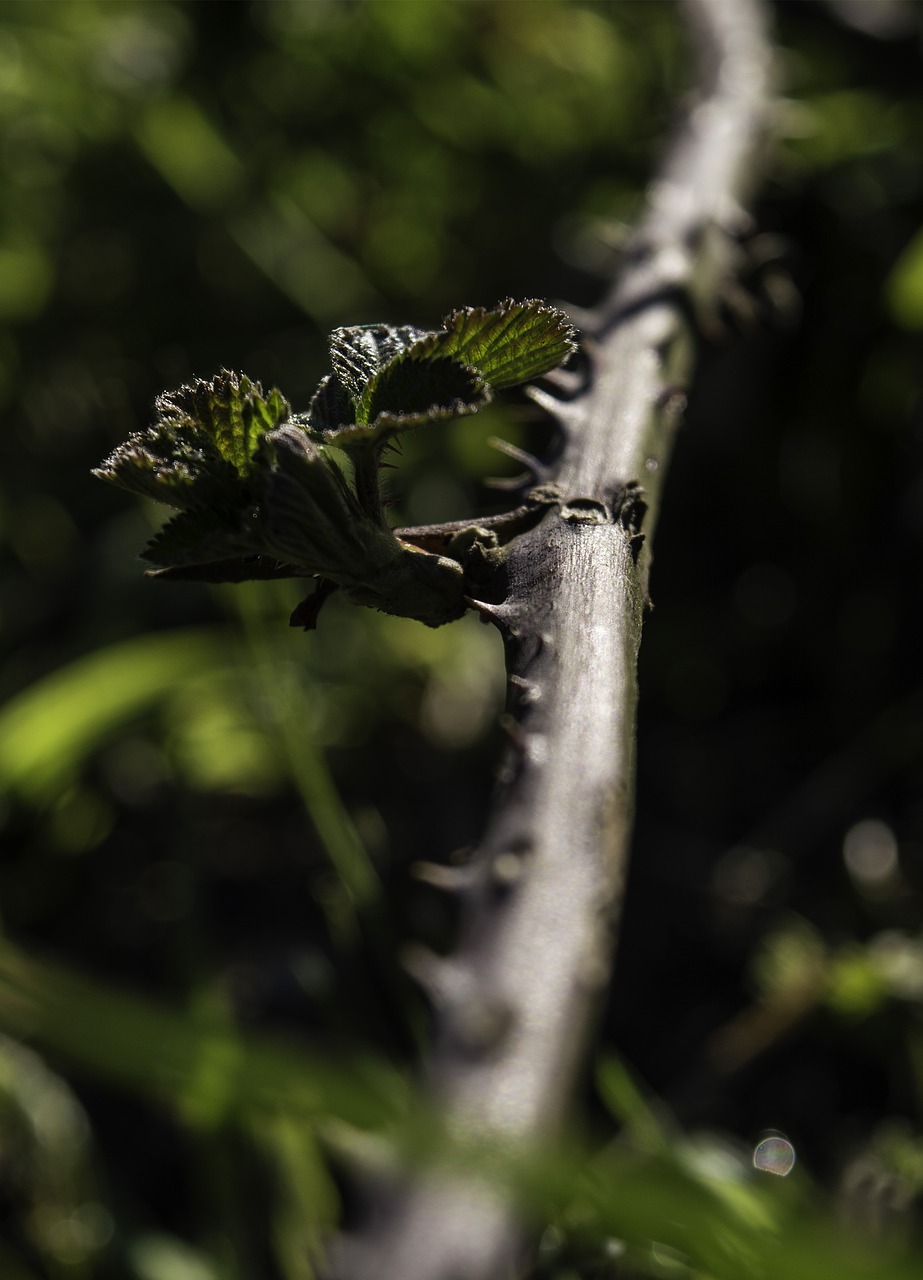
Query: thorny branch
514	1004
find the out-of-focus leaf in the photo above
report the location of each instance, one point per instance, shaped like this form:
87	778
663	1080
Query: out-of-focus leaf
626	1103
307	1204
48	1164
187	150
48	729
904	286
717	1217
162	1257
199	1063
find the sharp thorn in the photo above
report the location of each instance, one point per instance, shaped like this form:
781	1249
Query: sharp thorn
491	612
536	471
513	451
507	869
509	484
560	409
447	879
566	380
437	978
515	732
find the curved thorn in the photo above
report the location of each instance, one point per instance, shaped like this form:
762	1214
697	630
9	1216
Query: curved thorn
447	879
509	484
513	451
437	978
567	380
560	409
494	613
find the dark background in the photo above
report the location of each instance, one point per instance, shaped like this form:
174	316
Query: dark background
189	186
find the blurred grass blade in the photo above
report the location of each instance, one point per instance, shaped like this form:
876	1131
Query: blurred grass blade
307	1205
308	768
625	1102
198	1063
49	728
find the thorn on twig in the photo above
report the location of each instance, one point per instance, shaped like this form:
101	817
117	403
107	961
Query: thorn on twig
536	471
561	410
498	614
583	319
508	484
481	1025
567	381
507	869
447	879
439	981
529	692
515	732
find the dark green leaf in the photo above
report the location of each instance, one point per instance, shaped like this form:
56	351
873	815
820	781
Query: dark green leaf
311	517
331	407
248	568
512	343
144	468
411	391
196	537
200	450
231	412
359	353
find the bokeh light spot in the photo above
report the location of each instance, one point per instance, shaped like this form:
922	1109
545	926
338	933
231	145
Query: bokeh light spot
774	1155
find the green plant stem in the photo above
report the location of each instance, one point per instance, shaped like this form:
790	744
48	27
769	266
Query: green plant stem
357	913
366	461
308	767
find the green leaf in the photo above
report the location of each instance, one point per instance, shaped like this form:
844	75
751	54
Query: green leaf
201	449
359	353
311	517
388	378
247	568
258	489
512	343
168	468
411	391
330	407
232	412
197	537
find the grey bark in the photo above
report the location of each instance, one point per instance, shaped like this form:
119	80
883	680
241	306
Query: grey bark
515	1003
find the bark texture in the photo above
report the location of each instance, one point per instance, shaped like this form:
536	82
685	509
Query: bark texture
516	1001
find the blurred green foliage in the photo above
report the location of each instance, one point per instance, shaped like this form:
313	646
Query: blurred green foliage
221	816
